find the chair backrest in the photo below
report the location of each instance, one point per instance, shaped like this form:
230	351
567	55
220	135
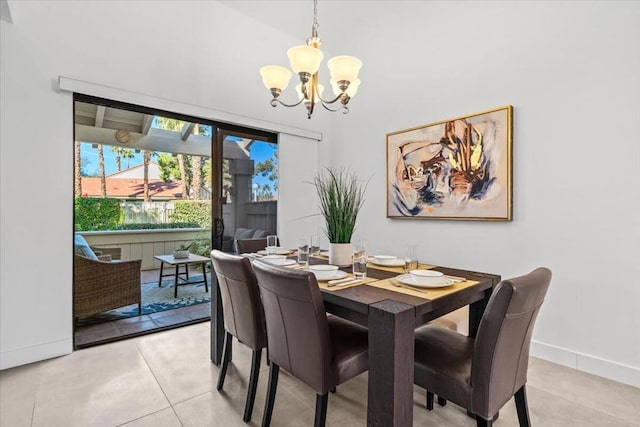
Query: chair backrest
246	233
297	326
243	314
501	349
246	246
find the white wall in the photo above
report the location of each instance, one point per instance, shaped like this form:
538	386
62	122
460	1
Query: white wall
572	72
202	54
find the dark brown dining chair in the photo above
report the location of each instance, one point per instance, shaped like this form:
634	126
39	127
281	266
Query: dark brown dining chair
247	246
243	316
321	351
482	374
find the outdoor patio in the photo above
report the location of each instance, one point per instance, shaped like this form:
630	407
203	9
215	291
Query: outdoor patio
160	310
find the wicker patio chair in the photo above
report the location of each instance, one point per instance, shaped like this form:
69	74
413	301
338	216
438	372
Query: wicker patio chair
107	254
100	286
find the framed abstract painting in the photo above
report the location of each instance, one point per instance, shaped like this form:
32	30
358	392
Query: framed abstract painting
453	169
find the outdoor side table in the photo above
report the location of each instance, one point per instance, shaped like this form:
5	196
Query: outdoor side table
177	262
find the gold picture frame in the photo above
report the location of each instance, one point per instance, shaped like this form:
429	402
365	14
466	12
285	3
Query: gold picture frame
457	169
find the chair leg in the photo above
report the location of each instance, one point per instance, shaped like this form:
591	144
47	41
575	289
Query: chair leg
429	401
271	394
253	383
139	308
481	422
442	401
226	358
321	409
522	407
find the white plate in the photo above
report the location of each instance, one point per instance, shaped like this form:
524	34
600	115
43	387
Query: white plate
338	274
397	262
440	283
279	251
286	263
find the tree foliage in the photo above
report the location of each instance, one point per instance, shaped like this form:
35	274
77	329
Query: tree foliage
269	169
97	213
192	211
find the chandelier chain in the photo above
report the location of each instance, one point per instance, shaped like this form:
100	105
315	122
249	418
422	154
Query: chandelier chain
315	25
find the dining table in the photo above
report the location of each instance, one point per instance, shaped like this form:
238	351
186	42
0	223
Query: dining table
391	310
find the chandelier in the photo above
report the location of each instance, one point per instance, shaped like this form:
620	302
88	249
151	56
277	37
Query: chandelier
305	61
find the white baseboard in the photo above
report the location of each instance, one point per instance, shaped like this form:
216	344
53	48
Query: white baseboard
35	353
583	362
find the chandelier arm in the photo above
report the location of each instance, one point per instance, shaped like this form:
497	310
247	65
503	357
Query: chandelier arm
333	101
276	101
332	110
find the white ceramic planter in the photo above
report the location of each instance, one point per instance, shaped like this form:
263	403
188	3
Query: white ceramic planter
340	254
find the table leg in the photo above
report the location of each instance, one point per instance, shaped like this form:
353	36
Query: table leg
204	274
391	346
476	310
161	268
217	322
175	285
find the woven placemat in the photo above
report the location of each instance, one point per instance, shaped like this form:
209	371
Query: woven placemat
399	270
426	293
325	284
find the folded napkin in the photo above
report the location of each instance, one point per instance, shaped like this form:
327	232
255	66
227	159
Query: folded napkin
345	281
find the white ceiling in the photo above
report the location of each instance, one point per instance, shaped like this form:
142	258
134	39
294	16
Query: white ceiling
295	17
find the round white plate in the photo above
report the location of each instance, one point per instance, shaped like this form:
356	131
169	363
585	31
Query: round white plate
440	283
279	251
397	262
286	262
338	274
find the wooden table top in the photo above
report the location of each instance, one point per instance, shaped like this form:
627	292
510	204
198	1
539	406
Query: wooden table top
169	259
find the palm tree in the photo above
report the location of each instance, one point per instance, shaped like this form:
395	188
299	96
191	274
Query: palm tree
196	164
146	159
118	151
103	178
183	176
176	126
77	169
128	154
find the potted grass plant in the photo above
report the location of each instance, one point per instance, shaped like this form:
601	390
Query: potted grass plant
341	197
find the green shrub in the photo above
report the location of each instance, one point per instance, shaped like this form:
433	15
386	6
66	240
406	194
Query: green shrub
201	244
192	211
93	214
156	226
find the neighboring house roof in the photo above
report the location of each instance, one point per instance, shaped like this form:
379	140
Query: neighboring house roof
137	172
131	188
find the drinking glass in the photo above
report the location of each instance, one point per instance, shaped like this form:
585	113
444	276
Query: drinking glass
360	260
303	252
314	248
272	244
411	258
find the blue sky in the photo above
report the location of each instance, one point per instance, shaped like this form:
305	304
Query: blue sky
259	151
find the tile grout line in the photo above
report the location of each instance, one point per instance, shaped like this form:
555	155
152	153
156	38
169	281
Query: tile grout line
35	394
159	385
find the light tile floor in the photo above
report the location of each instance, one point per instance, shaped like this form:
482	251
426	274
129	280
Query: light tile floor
167	379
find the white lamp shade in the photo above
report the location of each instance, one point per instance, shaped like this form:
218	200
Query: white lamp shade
344	68
305	59
301	95
351	90
275	76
